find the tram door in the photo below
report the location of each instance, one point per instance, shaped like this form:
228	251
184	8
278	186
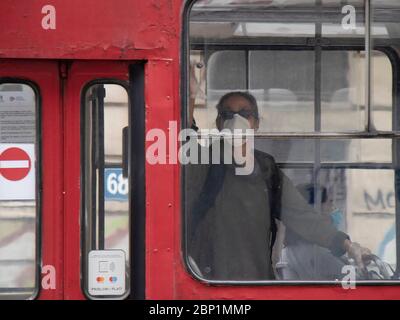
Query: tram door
71	196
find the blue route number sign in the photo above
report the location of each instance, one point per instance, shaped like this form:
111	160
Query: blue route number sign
116	187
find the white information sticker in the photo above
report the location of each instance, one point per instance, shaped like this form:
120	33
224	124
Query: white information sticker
106	273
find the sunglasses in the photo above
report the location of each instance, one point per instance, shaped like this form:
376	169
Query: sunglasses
228	114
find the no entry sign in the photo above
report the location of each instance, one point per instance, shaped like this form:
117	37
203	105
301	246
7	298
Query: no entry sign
17	172
15	164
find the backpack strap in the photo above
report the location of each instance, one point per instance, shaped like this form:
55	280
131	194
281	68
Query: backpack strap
271	176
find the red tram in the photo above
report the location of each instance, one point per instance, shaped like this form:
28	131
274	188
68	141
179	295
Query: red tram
87	87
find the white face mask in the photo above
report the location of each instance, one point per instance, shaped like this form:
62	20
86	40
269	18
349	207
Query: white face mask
237	125
237	122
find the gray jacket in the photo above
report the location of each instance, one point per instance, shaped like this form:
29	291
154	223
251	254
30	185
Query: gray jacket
230	219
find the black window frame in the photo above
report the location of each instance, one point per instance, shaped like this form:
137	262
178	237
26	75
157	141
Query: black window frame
135	88
330	43
84	227
11	293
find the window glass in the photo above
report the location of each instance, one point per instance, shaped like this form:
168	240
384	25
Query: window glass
106	183
366	199
319	177
382	91
342	91
330	150
385	16
324	84
287	104
18	191
358	186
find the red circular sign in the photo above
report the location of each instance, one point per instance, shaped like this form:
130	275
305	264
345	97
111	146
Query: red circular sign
15	164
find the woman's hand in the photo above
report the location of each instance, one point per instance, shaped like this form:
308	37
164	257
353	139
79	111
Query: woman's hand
194	85
361	255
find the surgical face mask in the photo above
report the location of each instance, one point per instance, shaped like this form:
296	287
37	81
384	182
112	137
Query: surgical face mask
237	122
238	126
337	218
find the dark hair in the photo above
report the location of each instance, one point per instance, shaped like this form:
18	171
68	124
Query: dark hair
308	192
249	97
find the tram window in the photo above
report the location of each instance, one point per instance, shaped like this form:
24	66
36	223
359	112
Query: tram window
19	250
288	104
329	130
106	184
385	33
334	151
364	196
